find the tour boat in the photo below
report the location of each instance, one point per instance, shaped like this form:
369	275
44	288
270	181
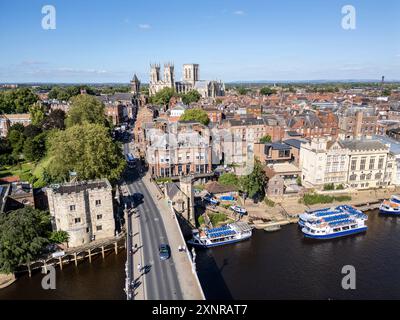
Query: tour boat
391	206
239	209
313	215
335	225
230	233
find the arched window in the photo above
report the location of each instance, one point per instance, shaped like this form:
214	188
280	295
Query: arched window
353	177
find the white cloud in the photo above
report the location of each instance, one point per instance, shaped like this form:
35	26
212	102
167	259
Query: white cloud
144	26
239	12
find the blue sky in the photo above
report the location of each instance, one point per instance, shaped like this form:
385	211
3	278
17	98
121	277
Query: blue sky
107	41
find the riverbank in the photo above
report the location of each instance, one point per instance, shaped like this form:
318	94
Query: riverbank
6	280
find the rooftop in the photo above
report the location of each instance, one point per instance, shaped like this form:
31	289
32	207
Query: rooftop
80	186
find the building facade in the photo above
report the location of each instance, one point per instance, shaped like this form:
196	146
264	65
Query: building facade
359	164
83	209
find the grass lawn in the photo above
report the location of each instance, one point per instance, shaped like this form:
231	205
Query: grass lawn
21	170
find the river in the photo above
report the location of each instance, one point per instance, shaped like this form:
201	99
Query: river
279	265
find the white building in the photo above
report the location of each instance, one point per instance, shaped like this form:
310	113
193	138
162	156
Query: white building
359	164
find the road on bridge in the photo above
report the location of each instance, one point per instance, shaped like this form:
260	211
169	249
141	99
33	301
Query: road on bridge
161	280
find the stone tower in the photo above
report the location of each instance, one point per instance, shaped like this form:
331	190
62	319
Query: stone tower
135	85
169	74
154	73
186	187
191	73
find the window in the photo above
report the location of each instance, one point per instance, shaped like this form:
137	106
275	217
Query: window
380	163
72	208
371	163
99	216
98	202
378	176
353	177
362	164
362	177
99	228
77	220
353	164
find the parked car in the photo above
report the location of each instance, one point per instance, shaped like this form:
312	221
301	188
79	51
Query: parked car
164	252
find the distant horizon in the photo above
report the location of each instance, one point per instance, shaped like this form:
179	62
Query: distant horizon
304	81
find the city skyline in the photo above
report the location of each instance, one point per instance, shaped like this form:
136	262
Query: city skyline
231	40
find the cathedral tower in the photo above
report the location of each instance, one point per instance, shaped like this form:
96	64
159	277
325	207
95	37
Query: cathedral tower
154	73
169	75
191	73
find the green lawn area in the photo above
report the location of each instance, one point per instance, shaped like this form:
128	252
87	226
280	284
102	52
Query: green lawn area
218	218
22	170
27	171
312	198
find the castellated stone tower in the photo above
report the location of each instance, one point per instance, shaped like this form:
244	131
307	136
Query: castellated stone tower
169	74
186	187
154	73
191	73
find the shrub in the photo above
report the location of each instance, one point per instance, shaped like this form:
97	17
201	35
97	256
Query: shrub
269	202
339	187
329	186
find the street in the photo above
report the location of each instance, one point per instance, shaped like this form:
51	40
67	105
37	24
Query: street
160	280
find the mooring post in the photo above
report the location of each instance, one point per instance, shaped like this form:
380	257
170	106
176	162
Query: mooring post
90	255
116	247
102	251
60	260
29	270
45	266
76	260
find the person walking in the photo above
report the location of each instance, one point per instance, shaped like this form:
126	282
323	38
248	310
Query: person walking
139	266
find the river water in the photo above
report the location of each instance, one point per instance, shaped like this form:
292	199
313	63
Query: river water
279	265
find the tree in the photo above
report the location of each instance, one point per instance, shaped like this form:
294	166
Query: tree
5	152
17	101
191	96
242	91
163	96
16	139
31	131
37	113
266	139
229	179
85	108
266	91
22	237
86	149
55	120
386	92
59	236
195	114
35	148
254	183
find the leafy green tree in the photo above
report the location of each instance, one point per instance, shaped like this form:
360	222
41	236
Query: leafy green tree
254	183
23	234
242	91
35	148
55	120
16	139
191	96
266	91
386	92
6	157
195	114
37	112
59	236
87	149
17	101
229	179
31	131
86	109
163	96
266	139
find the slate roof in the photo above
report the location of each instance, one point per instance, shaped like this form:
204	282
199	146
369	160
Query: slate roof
215	188
363	145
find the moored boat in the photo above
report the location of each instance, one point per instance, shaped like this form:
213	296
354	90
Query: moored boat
226	234
391	206
335	225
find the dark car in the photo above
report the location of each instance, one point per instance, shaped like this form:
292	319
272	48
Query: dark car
137	198
164	252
